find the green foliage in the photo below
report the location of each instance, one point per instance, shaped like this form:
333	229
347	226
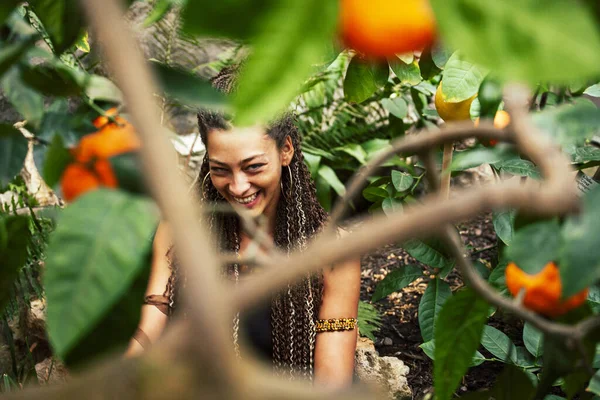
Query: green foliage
429	350
56	160
570	124
534	340
28	102
457	334
407	71
363	79
13	149
282	57
433	299
499	344
431	252
396	280
580	256
369	320
62	21
528	40
461	79
504	225
544	237
15	238
97	251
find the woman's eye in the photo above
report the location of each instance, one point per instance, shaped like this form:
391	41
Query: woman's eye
254	167
218	170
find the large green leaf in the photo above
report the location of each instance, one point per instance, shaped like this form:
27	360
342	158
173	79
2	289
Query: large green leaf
363	79
226	18
390	205
500	345
594	386
99	247
329	175
535	245
15	238
11	53
429	349
28	102
593	90
461	79
396	280
516	166
523	40
513	383
186	87
13	150
62	19
580	258
294	36
56	160
582	155
465	159
533	339
408	72
504	224
431	252
457	335
433	299
401	180
571	123
52	81
396	106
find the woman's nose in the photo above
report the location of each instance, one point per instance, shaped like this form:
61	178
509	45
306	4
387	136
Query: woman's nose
239	185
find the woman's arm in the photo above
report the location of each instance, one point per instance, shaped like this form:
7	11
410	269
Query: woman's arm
334	351
152	320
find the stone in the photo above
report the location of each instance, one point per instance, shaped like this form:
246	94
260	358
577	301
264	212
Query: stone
51	371
388	342
388	373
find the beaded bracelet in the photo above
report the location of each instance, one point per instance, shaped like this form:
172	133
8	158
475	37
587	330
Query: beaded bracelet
335	324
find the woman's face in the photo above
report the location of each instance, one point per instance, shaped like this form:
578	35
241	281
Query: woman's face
245	167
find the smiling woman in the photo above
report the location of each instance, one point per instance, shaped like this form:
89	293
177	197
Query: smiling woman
308	330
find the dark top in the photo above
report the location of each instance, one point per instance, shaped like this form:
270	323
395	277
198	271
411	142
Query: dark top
255	325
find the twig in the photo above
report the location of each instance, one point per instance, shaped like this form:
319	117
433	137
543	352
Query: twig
446	171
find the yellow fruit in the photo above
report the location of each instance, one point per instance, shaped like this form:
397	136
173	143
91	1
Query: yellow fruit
452	111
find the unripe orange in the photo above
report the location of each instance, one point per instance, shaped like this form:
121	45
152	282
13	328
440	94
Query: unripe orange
460	111
382	28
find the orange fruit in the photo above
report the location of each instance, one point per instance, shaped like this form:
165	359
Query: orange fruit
501	121
382	28
91	168
542	290
448	111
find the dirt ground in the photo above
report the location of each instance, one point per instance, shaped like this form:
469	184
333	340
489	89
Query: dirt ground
400	310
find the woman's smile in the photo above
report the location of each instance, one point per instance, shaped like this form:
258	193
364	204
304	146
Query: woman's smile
248	201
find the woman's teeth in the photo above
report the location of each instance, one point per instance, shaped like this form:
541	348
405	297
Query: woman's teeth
246	200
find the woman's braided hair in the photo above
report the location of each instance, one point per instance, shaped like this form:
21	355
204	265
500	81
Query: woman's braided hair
299	217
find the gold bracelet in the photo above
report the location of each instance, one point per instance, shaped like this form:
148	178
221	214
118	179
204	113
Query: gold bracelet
335	324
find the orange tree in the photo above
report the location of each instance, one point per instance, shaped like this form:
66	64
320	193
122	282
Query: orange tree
97	260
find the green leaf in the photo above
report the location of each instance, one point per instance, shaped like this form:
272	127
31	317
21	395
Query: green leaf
498	279
294	36
433	299
396	280
369	320
513	383
457	335
481	269
375	194
186	87
101	88
128	171
328	174
461	79
62	19
519	167
11	53
533	339
227	18
499	344
440	55
471	158
570	124
52	81
582	155
391	205
408	72
323	192
594	386
15	238
396	106
401	180
28	102
312	161
593	299
99	247
544	237
504	224
354	150
593	90
161	8
429	349
529	41
6	8
13	150
56	160
70	127
431	252
363	79
580	257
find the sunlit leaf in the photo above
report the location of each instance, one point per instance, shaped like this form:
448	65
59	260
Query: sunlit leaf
461	79
408	72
